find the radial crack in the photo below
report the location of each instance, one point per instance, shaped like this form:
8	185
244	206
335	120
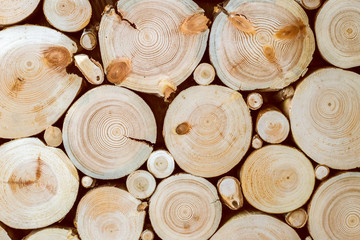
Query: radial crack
150	144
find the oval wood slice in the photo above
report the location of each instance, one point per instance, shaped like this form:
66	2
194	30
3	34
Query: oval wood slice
277	179
255	225
325	117
68	15
261	44
109	132
109	213
336	205
337	29
35	88
38	184
55	233
12	12
185	207
208	129
152	41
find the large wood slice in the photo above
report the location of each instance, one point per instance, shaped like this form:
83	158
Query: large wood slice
334	209
109	132
53	233
12	12
151	42
208	129
337	29
325	117
38	184
109	213
277	179
255	225
261	44
185	207
35	88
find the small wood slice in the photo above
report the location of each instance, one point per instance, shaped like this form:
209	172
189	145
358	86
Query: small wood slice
208	129
12	12
152	40
204	74
255	226
310	4
53	233
297	218
161	164
336	205
53	136
109	213
277	179
321	172
35	88
38	184
256	44
325	117
141	184
185	207
109	132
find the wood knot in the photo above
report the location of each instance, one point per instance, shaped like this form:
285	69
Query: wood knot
118	70
241	23
195	24
291	31
183	128
57	57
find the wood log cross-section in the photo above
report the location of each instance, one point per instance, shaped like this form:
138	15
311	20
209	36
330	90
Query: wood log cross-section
57	233
12	12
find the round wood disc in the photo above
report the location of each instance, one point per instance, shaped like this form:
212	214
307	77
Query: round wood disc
35	88
261	44
38	184
277	179
208	129
334	208
53	233
337	29
109	213
255	226
325	117
185	207
109	132
149	44
15	11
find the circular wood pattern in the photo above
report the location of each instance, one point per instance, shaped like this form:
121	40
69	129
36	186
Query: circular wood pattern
141	184
325	117
277	179
109	132
149	46
35	89
185	207
40	183
109	213
208	129
161	164
15	11
261	44
336	205
53	233
337	29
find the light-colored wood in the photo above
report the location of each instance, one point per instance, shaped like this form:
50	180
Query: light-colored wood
277	179
185	207
12	12
38	184
256	44
68	15
285	107
109	213
321	172
143	44
53	136
88	182
120	131
297	218
141	184
90	68
308	238
147	234
325	117
4	234
310	4
35	88
254	100
230	192
272	125
255	225
204	74
161	164
206	123
337	32
284	94
335	205
256	142
88	39
56	233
